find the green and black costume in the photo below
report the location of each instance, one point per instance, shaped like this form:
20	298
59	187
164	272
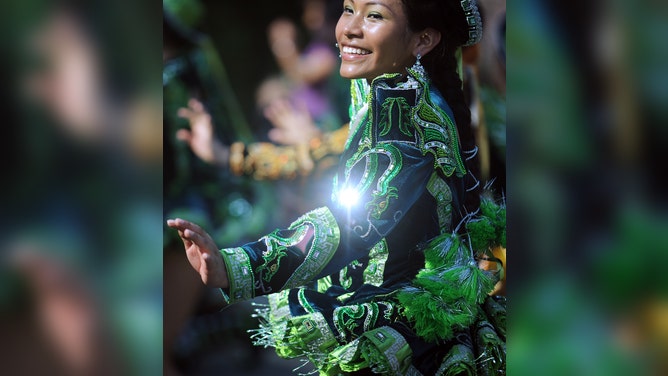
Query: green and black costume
386	284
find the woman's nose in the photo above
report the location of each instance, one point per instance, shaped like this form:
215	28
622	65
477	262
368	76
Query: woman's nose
353	27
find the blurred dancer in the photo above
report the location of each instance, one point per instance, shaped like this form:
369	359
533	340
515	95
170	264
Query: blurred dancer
83	199
238	207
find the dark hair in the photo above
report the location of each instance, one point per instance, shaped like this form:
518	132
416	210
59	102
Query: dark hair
447	17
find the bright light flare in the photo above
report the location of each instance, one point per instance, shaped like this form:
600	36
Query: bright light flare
349	197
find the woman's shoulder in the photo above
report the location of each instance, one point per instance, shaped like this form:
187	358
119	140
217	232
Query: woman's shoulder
420	111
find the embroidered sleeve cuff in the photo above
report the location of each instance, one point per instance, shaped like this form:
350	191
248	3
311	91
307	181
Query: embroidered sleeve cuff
324	245
239	274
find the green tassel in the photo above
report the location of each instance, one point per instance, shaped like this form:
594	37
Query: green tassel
432	317
469	282
482	233
446	250
445	295
489	228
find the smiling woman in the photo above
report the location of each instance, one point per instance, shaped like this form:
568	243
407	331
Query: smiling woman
384	279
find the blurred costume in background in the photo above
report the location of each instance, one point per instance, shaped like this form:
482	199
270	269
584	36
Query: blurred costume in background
194	189
387	281
236	208
308	80
79	218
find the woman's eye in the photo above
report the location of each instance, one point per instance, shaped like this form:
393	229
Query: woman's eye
375	16
348	10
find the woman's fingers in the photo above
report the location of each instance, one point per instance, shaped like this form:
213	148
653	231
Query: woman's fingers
191	232
182	224
196	238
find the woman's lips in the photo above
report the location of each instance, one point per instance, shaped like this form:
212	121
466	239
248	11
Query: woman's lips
354	51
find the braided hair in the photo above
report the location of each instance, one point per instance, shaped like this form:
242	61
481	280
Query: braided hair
447	17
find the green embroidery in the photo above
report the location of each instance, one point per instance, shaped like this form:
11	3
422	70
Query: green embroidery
437	133
373	274
348	318
276	247
324	284
304	302
239	274
359	90
325	243
441	192
387	121
345	280
370	169
386	350
384	192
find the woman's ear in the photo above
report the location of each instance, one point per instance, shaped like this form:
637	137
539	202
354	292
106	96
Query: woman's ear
427	39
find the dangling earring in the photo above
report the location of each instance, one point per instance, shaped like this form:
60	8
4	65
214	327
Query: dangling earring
337	48
418	69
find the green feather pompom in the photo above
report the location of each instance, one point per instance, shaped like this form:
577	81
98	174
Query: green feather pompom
433	317
482	233
489	228
445	295
446	250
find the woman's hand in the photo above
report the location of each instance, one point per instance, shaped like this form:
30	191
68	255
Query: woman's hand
202	253
292	125
200	137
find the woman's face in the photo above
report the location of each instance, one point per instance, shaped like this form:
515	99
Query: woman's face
374	38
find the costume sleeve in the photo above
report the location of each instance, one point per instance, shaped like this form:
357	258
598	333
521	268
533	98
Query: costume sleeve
275	262
267	161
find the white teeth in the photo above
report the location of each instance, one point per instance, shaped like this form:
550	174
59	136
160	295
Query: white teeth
356	51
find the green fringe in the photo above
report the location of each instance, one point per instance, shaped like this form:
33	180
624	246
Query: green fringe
489	229
445	295
444	299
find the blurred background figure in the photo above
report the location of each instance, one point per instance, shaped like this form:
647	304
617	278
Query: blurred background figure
81	281
309	73
236	208
308	83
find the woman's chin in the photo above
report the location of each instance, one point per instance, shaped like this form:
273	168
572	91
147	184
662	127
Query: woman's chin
351	73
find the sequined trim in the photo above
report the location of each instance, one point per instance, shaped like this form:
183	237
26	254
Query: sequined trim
443	195
373	274
239	274
304	302
325	242
276	248
316	334
437	133
393	347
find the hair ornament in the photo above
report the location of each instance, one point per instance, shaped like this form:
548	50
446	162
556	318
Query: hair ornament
473	19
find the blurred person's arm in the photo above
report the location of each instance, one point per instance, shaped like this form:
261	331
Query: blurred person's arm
264	160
